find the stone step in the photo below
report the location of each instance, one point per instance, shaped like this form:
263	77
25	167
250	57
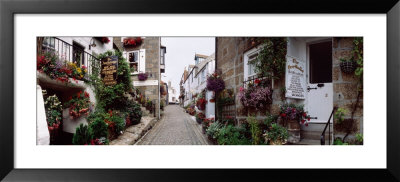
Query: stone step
312	142
314	135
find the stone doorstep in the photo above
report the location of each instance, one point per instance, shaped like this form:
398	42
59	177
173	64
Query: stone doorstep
132	134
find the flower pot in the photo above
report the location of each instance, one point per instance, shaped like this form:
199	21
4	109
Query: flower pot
293	131
348	66
212	100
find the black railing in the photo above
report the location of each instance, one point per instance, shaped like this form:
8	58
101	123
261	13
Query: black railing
329	129
263	80
70	53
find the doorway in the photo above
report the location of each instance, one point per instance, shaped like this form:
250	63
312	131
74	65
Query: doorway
320	87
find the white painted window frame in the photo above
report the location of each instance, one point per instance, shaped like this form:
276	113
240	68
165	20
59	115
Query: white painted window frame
246	57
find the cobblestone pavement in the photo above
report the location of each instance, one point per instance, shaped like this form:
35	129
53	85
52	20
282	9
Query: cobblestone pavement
175	128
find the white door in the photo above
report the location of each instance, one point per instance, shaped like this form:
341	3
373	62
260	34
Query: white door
319	87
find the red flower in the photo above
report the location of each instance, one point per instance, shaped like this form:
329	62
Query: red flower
308	119
283	114
110	112
302	121
304	114
257	81
86	95
306	124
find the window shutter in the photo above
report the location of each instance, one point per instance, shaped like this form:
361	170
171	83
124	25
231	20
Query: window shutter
142	60
124	56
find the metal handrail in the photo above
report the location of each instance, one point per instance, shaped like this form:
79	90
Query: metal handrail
326	125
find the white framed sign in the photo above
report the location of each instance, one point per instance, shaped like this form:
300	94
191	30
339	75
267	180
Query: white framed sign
145	83
295	75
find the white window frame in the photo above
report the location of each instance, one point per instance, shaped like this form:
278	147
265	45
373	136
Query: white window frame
138	61
247	56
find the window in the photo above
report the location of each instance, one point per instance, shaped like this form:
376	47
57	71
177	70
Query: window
136	60
78	54
49	42
162	55
249	69
133	60
321	62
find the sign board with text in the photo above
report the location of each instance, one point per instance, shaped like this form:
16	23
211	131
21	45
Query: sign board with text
295	78
109	66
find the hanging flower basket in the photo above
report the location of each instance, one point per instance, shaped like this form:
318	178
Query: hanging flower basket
132	42
347	66
142	76
215	83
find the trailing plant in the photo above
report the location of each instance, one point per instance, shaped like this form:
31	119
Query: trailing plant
339	114
276	135
254	130
358	56
255	97
215	83
294	112
83	135
271	59
53	109
79	104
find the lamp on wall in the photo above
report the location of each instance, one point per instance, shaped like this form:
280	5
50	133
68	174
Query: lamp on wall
91	44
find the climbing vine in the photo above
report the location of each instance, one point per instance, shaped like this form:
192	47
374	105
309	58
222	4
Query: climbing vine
271	60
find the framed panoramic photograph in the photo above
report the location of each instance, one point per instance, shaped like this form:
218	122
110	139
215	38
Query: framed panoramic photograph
139	91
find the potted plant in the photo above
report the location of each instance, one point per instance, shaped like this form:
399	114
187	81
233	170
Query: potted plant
53	109
142	76
201	104
276	135
347	65
293	116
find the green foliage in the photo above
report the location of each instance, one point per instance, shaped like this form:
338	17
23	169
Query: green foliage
83	135
359	139
271	60
232	135
277	134
254	130
338	141
339	114
118	120
358	55
213	129
270	119
99	127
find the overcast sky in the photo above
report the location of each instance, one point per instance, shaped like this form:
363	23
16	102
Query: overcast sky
180	53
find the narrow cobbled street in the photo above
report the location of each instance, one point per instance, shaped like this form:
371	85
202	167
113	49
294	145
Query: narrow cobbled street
175	128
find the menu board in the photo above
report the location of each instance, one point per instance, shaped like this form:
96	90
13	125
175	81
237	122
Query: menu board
109	66
295	78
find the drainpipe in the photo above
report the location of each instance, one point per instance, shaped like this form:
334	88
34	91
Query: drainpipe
215	69
159	77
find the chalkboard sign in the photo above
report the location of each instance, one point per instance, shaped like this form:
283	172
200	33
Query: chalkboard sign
295	78
109	66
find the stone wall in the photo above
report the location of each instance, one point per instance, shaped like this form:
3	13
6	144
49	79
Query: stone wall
230	60
152	47
346	86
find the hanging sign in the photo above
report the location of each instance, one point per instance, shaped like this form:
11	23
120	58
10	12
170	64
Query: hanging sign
295	78
109	66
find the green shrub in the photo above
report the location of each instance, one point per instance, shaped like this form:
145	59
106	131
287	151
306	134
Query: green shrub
119	121
338	141
83	135
134	111
231	135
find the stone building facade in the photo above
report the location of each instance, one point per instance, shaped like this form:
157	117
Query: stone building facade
147	55
340	89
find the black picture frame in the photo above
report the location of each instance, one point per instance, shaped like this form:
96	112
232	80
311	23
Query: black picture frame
9	8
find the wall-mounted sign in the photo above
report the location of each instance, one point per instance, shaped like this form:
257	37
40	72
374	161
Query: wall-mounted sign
145	83
109	66
295	78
